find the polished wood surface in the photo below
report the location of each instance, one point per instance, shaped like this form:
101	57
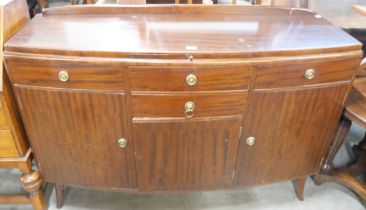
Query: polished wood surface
272	157
186	155
88	127
292	74
82	75
209	78
206	105
244	31
14	148
249	117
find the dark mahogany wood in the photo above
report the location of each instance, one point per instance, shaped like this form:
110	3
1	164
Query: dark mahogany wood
75	136
209	78
83	75
206	105
299	187
291	74
283	147
60	193
250	65
239	31
186	154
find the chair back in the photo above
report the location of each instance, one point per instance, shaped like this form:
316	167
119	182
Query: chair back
361	71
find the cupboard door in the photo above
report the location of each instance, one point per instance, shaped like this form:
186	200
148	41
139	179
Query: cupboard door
74	136
292	130
186	154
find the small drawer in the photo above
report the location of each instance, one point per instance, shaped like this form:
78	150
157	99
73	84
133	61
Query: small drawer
190	78
195	105
7	145
65	73
291	74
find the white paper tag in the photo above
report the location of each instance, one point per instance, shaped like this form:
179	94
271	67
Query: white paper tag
191	47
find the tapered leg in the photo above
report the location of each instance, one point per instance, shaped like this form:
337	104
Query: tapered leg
60	191
299	188
32	183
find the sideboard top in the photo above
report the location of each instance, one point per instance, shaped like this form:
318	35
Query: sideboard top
133	31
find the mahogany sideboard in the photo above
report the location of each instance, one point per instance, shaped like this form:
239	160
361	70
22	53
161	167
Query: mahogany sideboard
14	148
180	97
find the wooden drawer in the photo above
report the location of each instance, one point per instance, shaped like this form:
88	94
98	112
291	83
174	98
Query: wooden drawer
205	105
82	75
7	145
289	74
177	78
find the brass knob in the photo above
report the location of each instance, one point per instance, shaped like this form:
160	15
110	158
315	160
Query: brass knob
63	76
251	140
189	107
191	79
122	142
190	58
310	74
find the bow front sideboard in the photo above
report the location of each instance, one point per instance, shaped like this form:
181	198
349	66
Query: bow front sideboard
180	98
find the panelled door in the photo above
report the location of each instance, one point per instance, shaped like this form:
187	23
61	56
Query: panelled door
186	154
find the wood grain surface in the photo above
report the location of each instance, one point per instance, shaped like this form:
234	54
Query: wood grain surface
293	131
293	74
83	75
206	105
186	155
249	62
162	78
74	136
178	30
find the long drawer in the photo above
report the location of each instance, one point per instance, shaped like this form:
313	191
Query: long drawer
66	73
303	73
189	78
189	105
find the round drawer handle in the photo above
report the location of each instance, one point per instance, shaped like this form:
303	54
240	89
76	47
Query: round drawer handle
310	74
189	107
190	58
191	79
122	142
63	76
250	140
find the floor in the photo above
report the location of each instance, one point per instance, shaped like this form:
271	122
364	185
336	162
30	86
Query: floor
278	196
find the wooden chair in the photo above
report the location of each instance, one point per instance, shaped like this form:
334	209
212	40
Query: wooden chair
44	3
14	149
354	112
